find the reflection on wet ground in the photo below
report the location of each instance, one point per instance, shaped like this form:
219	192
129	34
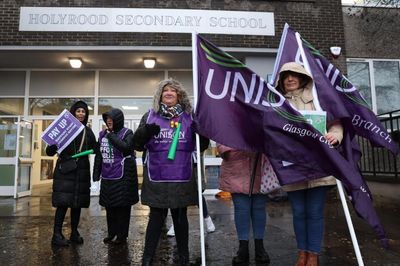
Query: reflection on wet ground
26	227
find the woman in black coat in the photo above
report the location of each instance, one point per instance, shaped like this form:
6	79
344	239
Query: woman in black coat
116	166
71	189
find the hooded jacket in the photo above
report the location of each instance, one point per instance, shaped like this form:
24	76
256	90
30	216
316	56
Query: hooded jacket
123	191
302	99
165	194
73	189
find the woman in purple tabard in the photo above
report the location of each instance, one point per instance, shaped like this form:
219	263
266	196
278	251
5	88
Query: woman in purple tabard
168	184
72	189
116	166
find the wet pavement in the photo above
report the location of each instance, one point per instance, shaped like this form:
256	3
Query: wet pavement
26	229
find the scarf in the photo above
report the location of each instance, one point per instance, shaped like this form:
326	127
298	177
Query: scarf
170	112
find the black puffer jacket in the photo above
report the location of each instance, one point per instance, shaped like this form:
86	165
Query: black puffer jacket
73	189
123	191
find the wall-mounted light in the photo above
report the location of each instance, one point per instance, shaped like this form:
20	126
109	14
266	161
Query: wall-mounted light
335	51
149	62
128	107
75	62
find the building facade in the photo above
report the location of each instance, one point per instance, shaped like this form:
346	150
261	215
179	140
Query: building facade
37	82
372	33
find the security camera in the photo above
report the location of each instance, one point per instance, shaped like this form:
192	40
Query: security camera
335	51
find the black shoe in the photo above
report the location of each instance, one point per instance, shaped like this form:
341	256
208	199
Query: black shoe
59	240
76	237
183	260
261	256
147	261
108	239
242	256
119	241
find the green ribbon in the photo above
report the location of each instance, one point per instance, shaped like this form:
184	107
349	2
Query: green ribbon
81	154
174	144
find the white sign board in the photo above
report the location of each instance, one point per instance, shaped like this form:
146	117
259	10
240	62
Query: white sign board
145	20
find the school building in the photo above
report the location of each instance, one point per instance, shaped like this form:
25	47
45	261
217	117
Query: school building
113	41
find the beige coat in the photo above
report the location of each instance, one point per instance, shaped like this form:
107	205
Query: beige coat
302	99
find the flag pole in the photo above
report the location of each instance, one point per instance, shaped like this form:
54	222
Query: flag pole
339	184
198	158
349	223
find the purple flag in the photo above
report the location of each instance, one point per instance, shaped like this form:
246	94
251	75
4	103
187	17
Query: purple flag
62	131
237	108
335	92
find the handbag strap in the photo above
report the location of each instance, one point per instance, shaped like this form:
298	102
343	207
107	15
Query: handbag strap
83	139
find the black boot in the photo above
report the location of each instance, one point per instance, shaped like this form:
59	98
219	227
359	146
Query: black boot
58	239
108	239
147	261
183	260
260	253
76	237
118	241
242	256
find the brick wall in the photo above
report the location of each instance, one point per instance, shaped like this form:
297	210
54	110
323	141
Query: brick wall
320	22
372	32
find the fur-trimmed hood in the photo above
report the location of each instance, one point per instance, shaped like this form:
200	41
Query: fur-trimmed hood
296	68
183	98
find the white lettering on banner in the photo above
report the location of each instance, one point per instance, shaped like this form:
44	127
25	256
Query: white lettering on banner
248	90
334	77
54	133
146	20
303	132
63	123
169	134
373	128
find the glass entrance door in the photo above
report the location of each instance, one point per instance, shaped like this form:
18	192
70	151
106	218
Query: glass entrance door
15	156
23	179
8	153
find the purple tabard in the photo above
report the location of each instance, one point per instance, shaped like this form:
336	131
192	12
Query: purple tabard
113	160
160	169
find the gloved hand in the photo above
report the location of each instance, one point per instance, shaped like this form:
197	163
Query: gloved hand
51	150
152	129
96	177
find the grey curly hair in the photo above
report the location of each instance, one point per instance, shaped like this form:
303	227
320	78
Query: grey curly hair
183	98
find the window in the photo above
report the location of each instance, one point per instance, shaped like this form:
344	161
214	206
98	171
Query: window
378	81
54	106
358	73
11	106
62	83
387	85
129	106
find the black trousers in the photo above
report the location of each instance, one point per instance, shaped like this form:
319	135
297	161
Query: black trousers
154	227
60	216
118	219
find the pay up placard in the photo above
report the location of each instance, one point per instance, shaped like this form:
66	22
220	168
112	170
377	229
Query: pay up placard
62	131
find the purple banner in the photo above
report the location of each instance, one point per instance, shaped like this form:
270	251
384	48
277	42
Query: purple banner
336	93
237	108
62	131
